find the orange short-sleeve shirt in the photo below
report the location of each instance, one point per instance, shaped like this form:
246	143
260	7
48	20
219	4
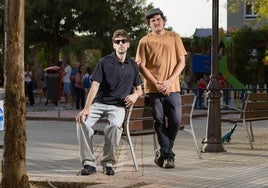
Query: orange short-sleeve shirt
160	55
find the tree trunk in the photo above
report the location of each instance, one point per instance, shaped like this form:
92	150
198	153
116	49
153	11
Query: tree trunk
55	47
14	150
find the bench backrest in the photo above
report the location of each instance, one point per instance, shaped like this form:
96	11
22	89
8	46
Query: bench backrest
255	106
141	115
188	102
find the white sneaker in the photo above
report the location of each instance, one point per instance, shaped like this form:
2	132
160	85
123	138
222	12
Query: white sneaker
68	107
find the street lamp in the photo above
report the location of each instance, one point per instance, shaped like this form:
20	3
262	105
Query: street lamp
213	130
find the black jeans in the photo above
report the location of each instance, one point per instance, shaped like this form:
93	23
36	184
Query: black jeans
167	118
29	92
80	98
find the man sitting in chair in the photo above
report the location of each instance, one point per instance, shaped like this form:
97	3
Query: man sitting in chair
111	92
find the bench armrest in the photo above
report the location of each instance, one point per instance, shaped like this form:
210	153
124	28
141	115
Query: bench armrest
232	107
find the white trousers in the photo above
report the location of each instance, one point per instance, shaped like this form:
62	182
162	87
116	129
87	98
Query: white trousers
112	133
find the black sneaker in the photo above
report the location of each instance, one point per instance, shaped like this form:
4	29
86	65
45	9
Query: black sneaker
108	171
88	170
159	159
169	163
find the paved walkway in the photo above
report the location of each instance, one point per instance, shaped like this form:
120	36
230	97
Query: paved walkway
52	157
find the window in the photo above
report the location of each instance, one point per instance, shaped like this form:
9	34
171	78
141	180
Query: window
249	10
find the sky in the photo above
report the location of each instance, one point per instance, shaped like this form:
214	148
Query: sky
184	16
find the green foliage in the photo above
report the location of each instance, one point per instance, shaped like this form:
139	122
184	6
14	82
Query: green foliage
54	25
262	7
248	67
76	27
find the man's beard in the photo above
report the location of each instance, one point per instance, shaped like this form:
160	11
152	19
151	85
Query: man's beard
122	52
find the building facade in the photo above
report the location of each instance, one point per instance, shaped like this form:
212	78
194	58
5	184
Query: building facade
244	14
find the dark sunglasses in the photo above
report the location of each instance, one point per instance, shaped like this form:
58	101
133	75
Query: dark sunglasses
122	40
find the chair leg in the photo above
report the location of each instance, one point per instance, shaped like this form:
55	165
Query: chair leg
248	132
132	152
196	146
155	143
251	132
191	131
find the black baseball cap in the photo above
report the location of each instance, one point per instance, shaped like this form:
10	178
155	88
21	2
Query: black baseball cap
153	12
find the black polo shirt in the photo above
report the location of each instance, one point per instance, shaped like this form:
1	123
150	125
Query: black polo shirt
116	79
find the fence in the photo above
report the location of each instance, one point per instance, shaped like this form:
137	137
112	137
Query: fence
230	96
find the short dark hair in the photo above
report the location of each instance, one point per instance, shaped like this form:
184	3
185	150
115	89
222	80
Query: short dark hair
121	33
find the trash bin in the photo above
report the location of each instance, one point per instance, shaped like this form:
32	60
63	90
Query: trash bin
53	79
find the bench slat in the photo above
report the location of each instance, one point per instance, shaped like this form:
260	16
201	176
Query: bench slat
185	120
141	124
187	99
141	101
186	109
256	114
257	105
140	113
257	96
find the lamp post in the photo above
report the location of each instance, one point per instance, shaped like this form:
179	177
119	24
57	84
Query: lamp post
213	129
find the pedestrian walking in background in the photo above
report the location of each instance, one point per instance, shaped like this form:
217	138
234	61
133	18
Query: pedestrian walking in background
87	80
72	82
79	88
28	81
67	69
201	85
